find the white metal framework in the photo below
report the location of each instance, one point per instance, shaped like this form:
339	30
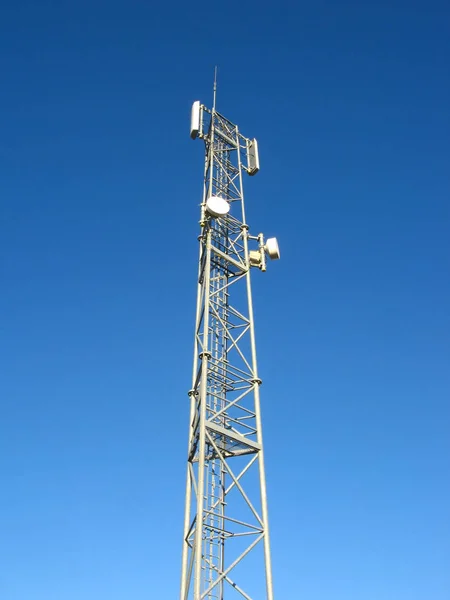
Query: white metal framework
226	548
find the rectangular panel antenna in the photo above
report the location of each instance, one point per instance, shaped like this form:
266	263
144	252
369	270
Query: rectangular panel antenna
195	119
253	157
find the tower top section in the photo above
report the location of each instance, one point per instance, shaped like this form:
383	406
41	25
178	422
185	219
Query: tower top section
205	122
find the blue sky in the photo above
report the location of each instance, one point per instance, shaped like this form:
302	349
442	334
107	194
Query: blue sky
100	186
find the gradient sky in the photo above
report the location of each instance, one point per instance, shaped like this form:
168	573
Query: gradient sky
99	193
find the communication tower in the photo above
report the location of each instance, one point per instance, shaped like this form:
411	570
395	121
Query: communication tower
226	546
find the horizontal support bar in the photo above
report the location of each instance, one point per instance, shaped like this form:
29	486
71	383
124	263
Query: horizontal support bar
241	439
228	258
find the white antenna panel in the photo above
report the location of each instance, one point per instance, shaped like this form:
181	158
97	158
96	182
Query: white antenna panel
195	119
253	157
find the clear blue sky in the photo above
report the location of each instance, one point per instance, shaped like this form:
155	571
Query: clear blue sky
100	186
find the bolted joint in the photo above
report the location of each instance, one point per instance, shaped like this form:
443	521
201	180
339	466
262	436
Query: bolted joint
256	380
191	393
205	355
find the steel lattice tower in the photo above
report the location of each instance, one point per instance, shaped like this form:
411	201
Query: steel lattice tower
226	544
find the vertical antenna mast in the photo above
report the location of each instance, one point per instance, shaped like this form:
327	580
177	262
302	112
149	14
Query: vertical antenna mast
215	89
226	546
